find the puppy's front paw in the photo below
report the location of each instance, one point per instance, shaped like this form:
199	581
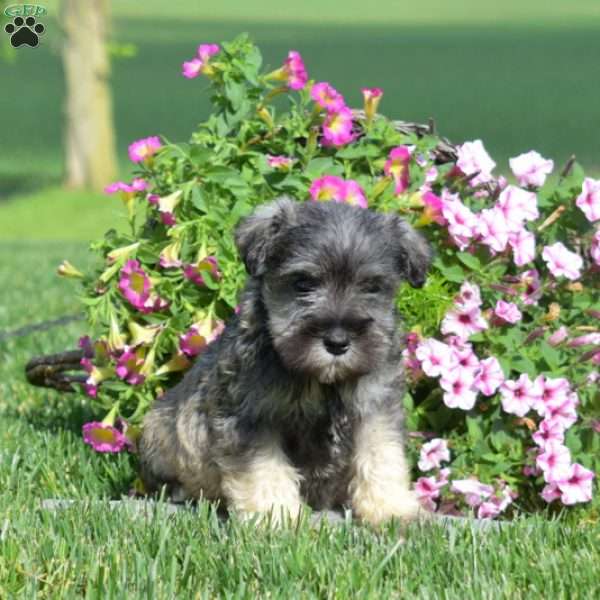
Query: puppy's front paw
374	508
275	516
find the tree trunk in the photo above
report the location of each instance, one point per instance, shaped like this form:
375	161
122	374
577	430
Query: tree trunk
89	134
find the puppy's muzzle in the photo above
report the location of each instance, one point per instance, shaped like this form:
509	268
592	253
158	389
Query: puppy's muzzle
336	341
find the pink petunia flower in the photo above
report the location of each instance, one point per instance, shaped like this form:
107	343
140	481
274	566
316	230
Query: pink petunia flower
553	392
473	490
559	336
517	206
137	185
103	437
492	228
435	357
469	295
522	243
199	336
129	365
143	149
465	357
433	453
95	375
195	272
427	489
354	194
589	339
576	485
462	223
519	396
463	321
295	71
201	63
134	284
328	187
507	312
549	431
550	493
555	461
531	169
396	167
473	158
279	162
166	205
327	97
532	289
331	187
337	128
490	376
562	262
459	387
589	199
595	248
496	504
563	411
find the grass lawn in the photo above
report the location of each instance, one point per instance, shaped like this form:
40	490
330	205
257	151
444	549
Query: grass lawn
93	552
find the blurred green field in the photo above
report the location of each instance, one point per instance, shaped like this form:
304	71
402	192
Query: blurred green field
519	75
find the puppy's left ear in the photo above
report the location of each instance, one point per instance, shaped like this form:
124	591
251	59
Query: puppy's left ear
413	252
258	235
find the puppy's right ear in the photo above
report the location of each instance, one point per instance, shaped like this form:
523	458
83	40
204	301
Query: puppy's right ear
258	234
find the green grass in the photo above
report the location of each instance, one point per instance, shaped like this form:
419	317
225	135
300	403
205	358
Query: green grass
90	551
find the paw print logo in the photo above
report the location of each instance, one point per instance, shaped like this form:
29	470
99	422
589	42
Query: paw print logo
24	32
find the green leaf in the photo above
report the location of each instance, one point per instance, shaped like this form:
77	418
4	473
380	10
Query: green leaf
550	355
474	428
198	200
470	260
322	166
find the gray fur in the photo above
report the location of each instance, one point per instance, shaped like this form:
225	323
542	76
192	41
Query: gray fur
322	275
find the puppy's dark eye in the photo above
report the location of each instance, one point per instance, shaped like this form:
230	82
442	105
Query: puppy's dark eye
304	284
373	286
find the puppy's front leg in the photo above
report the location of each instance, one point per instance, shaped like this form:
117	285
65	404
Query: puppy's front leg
379	488
263	482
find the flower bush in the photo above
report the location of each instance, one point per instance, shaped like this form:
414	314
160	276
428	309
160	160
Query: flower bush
503	344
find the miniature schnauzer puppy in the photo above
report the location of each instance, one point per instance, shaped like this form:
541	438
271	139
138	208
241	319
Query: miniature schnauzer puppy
299	399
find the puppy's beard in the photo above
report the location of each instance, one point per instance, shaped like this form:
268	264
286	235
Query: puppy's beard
309	356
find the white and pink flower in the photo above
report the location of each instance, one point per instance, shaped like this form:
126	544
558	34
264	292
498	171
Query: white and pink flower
463	321
562	262
432	454
555	461
490	376
507	312
435	357
531	169
576	485
522	243
459	388
473	158
473	490
549	431
589	199
519	396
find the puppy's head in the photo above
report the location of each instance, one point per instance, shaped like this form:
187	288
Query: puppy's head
328	274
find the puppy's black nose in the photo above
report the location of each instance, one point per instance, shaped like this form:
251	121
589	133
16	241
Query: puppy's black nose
336	341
